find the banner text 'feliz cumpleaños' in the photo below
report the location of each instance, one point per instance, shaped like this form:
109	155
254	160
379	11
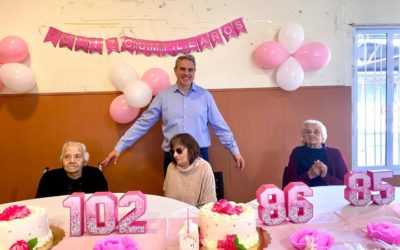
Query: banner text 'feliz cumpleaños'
132	45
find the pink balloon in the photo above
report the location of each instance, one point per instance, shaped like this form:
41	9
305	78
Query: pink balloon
313	56
13	49
121	112
157	79
269	55
1	83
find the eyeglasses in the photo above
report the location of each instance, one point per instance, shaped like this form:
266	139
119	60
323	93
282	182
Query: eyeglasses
72	157
178	150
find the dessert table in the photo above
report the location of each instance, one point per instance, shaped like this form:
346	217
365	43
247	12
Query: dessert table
164	218
333	214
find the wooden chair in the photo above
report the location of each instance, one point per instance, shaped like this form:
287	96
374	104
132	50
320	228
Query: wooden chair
219	185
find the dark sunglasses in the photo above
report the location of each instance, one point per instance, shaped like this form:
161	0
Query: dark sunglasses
178	150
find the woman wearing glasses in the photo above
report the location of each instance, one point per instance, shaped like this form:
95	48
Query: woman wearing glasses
74	176
189	178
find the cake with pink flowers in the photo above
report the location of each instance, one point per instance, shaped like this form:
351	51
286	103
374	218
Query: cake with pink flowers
25	225
224	222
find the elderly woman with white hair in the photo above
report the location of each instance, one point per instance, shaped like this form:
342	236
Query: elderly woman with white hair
314	163
74	175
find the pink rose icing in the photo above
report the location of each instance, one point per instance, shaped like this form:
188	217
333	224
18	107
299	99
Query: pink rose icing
116	243
20	245
385	231
308	237
223	206
14	212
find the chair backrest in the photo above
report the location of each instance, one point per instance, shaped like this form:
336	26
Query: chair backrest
219	185
285	180
45	170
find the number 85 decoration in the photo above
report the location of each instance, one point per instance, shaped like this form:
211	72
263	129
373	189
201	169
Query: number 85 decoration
360	185
275	205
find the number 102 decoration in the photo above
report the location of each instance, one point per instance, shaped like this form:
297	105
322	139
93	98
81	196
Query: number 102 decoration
100	222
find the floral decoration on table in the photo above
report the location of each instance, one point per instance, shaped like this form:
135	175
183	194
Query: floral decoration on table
116	243
230	243
223	206
14	212
308	238
384	231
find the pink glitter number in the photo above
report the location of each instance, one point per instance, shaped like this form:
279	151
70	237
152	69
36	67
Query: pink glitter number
386	192
298	209
271	209
129	223
357	188
76	204
95	224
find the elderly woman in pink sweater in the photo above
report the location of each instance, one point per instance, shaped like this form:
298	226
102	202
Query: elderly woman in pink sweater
189	178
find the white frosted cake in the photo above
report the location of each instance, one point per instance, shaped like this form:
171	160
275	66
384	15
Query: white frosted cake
25	223
221	220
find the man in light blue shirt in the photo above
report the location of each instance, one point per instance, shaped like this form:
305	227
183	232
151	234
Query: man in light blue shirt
184	108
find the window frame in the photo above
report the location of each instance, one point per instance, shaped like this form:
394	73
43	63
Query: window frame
389	150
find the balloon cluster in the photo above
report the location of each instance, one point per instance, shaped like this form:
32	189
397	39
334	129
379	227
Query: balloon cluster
13	74
290	57
137	93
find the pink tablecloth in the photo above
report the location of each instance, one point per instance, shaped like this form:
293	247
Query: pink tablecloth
164	218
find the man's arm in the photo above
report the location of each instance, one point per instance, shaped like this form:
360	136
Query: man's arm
223	132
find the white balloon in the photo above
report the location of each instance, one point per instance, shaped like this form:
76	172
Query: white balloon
291	36
290	75
17	77
123	74
138	94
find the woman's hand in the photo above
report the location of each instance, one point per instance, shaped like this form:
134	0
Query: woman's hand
314	171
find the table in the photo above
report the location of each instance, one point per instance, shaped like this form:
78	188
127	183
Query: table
334	214
164	218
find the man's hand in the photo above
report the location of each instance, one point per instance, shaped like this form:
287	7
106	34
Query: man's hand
239	161
113	155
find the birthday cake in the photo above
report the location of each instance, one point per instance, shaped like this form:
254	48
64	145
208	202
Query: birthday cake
20	225
226	221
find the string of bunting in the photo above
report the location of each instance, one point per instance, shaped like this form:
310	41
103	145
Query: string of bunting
199	43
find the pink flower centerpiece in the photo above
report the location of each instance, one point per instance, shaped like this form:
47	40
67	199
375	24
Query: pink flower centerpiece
223	206
385	231
116	243
311	239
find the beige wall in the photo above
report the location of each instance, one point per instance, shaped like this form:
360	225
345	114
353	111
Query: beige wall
225	67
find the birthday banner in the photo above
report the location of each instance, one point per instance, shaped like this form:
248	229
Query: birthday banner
147	47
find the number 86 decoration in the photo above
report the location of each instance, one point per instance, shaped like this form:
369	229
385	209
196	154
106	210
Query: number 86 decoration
275	205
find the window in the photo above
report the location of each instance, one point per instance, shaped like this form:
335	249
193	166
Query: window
375	98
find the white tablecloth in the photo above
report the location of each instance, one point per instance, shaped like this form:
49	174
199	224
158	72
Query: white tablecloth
164	218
